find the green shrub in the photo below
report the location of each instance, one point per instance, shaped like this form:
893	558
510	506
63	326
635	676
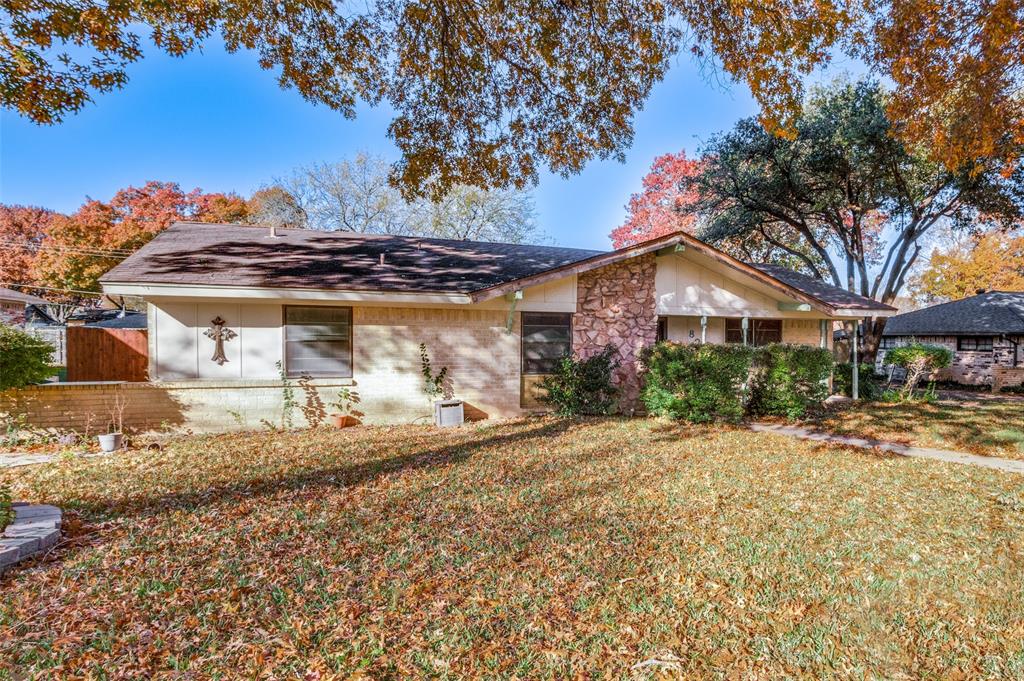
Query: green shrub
24	359
868	387
918	359
6	516
583	387
696	383
787	379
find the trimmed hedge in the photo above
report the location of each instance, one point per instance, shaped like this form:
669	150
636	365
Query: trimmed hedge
787	379
703	383
696	383
583	387
868	387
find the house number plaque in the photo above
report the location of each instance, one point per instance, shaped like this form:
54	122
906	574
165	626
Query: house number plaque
218	333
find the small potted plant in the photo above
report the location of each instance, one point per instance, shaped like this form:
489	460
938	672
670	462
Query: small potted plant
114	439
346	416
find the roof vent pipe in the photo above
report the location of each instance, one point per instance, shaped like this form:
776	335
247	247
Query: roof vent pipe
381	258
273	230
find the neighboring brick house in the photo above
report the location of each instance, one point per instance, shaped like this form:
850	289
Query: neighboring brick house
984	331
351	310
13	304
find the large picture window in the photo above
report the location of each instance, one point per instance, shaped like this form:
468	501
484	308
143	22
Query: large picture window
759	332
318	341
547	337
974	343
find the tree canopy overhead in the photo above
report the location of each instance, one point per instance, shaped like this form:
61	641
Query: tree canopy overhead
489	93
842	196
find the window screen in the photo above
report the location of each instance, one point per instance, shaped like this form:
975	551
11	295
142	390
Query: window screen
975	343
887	343
547	337
318	341
760	331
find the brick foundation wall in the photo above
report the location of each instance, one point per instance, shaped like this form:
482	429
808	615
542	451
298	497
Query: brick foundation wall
615	305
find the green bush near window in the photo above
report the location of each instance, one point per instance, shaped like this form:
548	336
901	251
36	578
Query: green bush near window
583	387
787	379
696	383
868	386
24	359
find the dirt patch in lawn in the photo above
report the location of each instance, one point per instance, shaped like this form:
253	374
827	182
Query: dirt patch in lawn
530	549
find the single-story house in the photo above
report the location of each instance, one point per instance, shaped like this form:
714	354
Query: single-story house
232	308
13	304
984	331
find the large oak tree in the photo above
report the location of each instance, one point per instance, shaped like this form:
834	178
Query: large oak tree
488	93
844	197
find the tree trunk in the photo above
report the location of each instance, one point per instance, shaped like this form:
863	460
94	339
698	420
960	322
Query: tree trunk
872	338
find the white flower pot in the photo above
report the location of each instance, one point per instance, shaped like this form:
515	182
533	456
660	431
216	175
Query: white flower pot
110	442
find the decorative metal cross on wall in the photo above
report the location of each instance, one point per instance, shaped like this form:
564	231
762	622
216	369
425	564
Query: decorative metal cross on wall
218	334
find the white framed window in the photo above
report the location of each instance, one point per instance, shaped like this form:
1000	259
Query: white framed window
318	341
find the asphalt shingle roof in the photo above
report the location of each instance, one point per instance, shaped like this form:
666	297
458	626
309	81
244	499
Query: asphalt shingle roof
833	295
992	313
234	255
19	297
238	255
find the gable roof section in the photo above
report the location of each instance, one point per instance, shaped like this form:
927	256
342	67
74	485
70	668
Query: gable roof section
992	313
236	255
826	293
195	254
12	296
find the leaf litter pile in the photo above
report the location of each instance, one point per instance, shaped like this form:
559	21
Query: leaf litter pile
528	549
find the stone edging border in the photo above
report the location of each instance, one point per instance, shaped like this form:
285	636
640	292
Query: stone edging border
35	528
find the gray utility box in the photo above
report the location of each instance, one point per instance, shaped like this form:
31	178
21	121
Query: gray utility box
448	413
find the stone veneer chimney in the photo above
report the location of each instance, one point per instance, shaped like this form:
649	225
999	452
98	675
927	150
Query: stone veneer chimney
615	306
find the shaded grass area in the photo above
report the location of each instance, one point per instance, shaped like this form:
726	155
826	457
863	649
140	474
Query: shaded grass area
531	549
985	427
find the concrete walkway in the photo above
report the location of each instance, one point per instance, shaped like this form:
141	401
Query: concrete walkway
16	459
949	456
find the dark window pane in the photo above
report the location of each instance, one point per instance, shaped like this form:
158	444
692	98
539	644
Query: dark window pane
662	329
547	337
318	341
759	331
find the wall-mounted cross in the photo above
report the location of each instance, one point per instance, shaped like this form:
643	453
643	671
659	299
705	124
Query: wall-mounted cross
218	334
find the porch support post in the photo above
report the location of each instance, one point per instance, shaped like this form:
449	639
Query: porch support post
703	329
823	340
746	325
855	379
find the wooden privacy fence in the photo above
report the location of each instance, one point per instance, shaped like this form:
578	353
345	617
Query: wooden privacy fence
97	354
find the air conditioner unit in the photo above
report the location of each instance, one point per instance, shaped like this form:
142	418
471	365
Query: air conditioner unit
448	413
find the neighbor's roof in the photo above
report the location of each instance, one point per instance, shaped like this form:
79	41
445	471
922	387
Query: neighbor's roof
992	313
233	255
196	254
130	320
826	293
19	297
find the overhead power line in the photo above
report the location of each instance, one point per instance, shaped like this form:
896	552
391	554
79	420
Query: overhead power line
98	253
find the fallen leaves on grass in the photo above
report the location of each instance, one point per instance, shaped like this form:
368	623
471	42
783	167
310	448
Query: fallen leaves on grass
543	548
988	428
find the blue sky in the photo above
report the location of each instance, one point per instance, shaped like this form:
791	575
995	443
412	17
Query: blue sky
217	121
